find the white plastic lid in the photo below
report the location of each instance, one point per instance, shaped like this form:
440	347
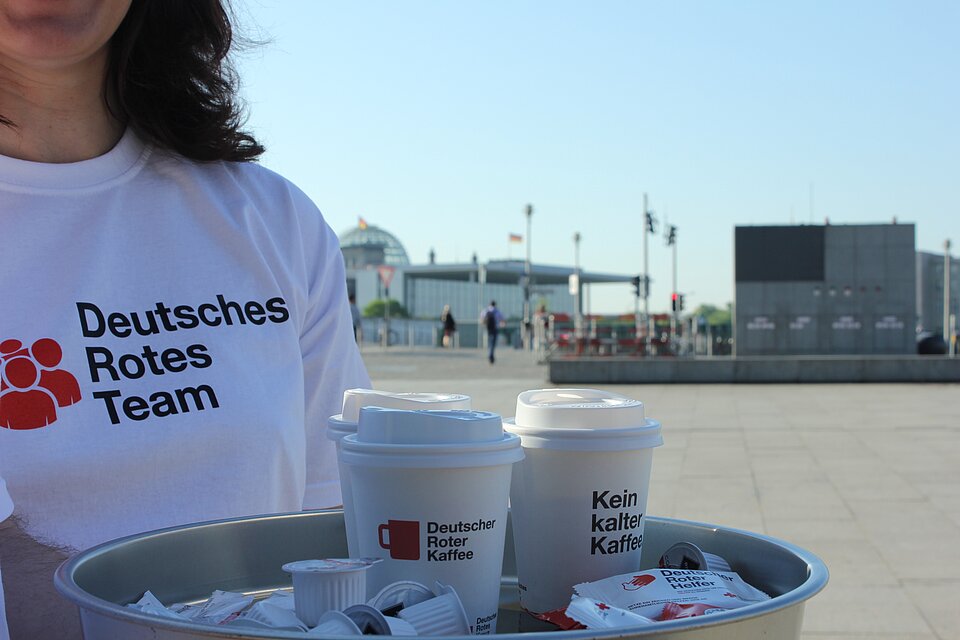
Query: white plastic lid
577	409
396	426
356	399
582	420
330	565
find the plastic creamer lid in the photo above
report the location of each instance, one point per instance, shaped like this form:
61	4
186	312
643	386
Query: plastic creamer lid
577	409
395	426
330	565
356	399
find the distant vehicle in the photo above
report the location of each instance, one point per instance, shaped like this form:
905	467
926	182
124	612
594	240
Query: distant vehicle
931	344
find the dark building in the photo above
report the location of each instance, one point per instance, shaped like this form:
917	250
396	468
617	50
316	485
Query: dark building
930	293
831	289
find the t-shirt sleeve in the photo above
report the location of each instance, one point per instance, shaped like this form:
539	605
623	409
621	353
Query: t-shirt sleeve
331	364
6	508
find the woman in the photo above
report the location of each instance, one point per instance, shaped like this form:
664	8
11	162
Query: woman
449	325
175	329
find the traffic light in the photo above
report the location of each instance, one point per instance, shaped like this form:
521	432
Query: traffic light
635	281
674	301
651	222
680	302
671	235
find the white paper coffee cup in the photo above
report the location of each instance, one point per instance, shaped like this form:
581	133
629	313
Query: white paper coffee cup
345	423
579	497
430	493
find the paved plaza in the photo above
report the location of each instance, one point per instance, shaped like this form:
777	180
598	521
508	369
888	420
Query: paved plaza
867	476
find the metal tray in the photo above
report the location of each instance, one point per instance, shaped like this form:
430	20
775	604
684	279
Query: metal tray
188	563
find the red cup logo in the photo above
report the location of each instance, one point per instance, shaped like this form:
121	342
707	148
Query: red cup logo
638	582
401	538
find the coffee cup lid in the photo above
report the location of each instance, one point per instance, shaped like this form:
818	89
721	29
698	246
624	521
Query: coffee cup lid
356	399
577	409
397	426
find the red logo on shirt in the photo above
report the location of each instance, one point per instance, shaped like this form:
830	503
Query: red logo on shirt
32	386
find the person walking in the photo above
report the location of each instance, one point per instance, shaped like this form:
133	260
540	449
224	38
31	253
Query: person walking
492	320
449	326
357	319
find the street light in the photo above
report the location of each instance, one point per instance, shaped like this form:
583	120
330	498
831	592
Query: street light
946	296
670	235
526	284
649	226
577	320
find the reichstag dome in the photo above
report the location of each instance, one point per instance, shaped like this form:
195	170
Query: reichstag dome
369	245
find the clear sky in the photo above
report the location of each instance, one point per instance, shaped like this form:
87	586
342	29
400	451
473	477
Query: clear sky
440	120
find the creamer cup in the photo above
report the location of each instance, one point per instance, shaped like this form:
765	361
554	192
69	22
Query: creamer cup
442	615
430	495
686	555
320	586
399	595
373	623
345	423
578	499
335	623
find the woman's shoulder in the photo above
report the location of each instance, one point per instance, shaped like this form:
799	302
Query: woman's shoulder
256	186
231	176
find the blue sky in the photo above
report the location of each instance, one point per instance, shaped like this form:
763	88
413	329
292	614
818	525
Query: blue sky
440	120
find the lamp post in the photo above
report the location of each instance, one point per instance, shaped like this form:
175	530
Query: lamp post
670	235
649	226
946	296
577	320
526	285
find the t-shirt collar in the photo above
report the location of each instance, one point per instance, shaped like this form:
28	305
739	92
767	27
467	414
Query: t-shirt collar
126	156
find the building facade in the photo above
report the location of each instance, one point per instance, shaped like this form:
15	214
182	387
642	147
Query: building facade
930	269
373	255
830	289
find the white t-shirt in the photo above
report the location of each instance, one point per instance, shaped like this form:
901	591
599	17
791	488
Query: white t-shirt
173	337
6	508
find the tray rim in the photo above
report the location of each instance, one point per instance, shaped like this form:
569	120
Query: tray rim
816	581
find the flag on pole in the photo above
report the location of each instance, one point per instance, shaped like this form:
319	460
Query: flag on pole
516	237
361	222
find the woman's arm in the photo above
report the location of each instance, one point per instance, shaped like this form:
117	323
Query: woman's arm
34	608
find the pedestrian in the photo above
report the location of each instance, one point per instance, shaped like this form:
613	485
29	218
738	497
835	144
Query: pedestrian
197	299
357	319
493	320
449	326
541	325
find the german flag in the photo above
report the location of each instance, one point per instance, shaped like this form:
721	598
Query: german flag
516	237
361	222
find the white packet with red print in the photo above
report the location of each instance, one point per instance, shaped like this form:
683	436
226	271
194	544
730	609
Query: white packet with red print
599	615
668	594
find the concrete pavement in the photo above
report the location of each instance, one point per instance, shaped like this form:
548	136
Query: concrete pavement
867	476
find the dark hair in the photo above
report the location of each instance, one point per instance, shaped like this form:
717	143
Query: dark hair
170	79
